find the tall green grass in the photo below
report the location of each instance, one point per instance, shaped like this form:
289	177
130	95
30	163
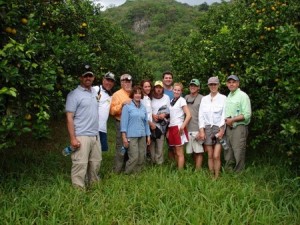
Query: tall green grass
36	189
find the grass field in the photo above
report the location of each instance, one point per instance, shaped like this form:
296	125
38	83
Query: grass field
35	188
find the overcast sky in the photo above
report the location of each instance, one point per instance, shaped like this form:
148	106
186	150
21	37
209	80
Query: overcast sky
106	3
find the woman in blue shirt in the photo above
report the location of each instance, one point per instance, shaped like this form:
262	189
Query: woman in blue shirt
135	131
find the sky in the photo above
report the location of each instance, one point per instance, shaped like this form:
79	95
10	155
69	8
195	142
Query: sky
107	3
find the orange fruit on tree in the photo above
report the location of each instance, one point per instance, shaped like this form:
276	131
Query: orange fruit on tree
13	31
27	116
8	29
24	21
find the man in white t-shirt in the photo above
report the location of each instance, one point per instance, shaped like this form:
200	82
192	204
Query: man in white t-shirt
104	99
160	113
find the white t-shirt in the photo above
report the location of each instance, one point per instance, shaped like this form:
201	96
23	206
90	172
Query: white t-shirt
177	114
159	106
104	106
156	104
212	111
146	101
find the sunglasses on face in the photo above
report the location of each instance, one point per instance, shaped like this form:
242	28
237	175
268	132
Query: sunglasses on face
88	75
212	84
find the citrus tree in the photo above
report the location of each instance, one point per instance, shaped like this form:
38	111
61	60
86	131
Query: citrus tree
42	45
258	41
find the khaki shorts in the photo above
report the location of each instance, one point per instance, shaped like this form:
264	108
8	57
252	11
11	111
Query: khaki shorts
209	133
194	145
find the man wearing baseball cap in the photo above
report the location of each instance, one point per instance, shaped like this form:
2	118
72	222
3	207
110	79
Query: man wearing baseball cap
120	98
82	124
160	104
237	114
194	146
104	92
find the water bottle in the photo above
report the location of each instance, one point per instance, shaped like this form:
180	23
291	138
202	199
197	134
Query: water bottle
224	144
123	150
67	151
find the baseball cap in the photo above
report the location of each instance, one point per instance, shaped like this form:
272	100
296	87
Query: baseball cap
233	77
86	70
110	76
213	80
126	77
195	82
158	83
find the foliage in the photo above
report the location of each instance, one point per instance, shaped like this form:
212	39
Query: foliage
154	26
43	43
35	187
259	41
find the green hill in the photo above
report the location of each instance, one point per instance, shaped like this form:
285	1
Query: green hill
154	26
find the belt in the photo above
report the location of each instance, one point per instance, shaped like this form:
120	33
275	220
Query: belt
231	128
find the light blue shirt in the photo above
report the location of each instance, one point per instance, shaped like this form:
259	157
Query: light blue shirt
83	103
134	121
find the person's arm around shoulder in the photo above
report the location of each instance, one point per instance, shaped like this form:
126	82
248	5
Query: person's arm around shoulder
71	129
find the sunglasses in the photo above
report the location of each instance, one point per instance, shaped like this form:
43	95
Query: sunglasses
88	75
212	84
173	102
190	102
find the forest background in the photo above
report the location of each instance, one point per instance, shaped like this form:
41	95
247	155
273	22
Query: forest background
42	45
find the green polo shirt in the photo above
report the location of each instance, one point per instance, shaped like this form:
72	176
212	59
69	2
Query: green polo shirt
238	103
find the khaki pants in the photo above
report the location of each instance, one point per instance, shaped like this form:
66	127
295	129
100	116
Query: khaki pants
136	154
86	161
236	140
157	150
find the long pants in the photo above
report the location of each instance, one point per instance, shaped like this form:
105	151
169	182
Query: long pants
119	161
236	140
86	161
157	150
136	154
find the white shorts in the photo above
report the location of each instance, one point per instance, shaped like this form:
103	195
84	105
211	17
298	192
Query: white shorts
194	145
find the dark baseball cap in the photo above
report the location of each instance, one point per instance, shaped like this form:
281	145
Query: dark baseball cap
233	77
86	69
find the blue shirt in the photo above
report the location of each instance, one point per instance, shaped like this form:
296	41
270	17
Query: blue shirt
170	93
83	103
134	121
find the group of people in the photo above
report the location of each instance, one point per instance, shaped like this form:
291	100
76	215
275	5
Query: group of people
151	114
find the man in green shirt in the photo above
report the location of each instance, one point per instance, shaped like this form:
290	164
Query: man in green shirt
238	114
